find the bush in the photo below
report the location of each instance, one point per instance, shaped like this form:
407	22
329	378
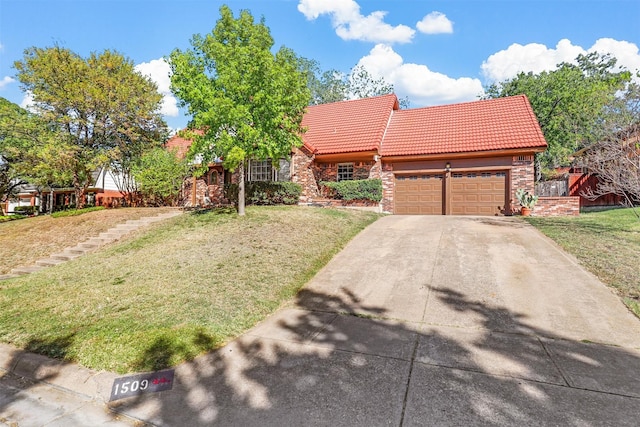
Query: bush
363	189
265	193
25	210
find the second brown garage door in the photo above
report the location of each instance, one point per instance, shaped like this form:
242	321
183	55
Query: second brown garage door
477	193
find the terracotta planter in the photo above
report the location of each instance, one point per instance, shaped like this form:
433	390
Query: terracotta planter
525	211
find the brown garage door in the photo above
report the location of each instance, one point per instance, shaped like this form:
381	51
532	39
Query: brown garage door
477	193
419	194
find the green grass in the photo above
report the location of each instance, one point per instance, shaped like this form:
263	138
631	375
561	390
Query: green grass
76	212
185	287
607	243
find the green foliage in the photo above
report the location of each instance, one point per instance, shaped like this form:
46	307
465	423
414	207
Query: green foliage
30	150
248	101
160	175
569	102
333	86
5	218
25	210
266	193
363	189
101	110
526	199
76	212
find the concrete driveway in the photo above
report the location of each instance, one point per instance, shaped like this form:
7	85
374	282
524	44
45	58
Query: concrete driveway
424	321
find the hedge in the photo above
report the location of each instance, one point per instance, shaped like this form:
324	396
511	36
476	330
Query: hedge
25	210
265	193
362	189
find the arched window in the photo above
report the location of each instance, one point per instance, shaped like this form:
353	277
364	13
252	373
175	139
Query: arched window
213	177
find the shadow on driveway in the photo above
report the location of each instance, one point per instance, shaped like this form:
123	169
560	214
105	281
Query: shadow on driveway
320	365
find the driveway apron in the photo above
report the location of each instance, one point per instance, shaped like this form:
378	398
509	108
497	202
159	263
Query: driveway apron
425	320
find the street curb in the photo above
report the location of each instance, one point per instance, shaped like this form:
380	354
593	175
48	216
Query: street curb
66	376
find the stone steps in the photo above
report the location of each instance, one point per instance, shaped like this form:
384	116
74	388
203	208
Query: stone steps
89	245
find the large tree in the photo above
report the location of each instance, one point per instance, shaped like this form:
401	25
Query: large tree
615	158
248	101
105	111
333	86
31	150
569	102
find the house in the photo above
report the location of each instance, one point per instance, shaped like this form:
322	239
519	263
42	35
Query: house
460	159
102	192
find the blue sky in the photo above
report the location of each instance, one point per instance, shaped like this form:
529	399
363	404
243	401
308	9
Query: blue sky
434	52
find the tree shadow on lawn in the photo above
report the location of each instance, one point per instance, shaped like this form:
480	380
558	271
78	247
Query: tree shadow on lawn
23	400
336	360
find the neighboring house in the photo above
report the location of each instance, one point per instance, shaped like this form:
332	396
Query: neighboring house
103	192
460	159
24	195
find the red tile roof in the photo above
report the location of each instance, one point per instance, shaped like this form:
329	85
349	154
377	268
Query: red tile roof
495	124
348	126
180	144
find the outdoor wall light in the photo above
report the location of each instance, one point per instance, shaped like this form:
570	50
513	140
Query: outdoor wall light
447	167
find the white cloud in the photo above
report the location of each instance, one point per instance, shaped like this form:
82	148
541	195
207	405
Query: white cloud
158	70
536	58
423	86
350	24
435	23
533	57
5	81
625	52
27	101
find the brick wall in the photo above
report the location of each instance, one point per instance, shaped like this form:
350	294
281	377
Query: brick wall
557	206
522	176
386	174
329	171
302	173
214	192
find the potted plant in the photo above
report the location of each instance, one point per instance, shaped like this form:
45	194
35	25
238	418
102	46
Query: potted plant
526	200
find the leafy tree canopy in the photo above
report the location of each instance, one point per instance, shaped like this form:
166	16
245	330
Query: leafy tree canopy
333	86
569	102
248	101
30	151
102	110
160	175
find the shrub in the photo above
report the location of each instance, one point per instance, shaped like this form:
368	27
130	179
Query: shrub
363	189
25	210
265	193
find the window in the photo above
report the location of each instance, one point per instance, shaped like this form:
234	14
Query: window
345	171
213	177
260	171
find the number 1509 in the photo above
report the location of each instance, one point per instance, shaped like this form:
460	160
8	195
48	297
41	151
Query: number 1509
132	386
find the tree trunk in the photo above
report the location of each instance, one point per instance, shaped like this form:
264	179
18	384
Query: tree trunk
241	189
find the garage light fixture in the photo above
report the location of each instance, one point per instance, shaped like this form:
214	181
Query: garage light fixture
447	167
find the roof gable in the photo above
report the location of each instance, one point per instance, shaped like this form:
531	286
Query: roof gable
348	126
494	124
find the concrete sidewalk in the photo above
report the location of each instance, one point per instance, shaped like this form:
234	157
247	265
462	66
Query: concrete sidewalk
419	321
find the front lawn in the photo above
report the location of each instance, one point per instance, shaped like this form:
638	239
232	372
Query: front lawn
607	243
185	287
23	242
